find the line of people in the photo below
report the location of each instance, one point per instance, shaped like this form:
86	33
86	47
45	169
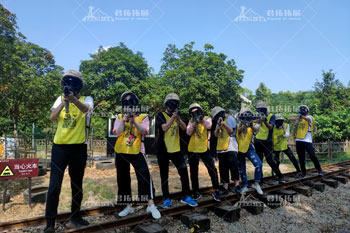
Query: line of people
235	141
232	137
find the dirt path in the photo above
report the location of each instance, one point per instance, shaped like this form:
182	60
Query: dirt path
100	186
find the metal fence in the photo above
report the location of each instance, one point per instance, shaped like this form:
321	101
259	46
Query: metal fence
327	148
25	148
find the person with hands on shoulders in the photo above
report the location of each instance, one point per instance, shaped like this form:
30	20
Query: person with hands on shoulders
280	142
245	134
227	148
304	139
263	139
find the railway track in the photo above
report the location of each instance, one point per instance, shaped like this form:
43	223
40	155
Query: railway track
330	170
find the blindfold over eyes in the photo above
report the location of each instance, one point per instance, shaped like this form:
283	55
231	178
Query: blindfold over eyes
129	102
197	111
172	104
72	81
220	114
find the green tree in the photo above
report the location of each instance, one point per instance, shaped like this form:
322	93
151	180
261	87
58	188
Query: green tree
8	38
205	77
262	93
32	88
111	72
108	74
29	78
329	93
332	108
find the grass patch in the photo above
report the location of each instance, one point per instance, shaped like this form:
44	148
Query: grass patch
103	191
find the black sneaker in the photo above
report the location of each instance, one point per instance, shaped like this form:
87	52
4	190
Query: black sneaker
238	190
50	226
301	176
196	196
281	180
224	192
49	229
216	196
321	173
77	222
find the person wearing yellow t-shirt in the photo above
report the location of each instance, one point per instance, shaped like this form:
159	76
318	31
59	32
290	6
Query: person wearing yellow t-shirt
72	113
224	128
304	139
245	133
263	139
168	125
131	128
198	129
280	142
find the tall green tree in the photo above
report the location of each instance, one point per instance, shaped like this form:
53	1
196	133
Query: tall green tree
8	38
205	77
262	93
108	74
111	72
332	108
9	35
32	89
29	78
329	93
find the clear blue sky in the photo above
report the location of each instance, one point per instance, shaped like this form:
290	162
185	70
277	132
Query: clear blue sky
286	52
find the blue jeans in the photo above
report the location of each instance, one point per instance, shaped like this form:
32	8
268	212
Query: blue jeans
254	158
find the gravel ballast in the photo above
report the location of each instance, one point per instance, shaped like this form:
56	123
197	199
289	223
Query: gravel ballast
327	211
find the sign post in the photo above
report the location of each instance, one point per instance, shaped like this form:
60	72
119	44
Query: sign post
4	195
18	168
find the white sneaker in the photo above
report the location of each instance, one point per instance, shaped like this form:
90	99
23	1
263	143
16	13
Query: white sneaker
257	188
244	189
127	210
154	211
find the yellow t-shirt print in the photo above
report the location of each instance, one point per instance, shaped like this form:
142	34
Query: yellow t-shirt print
173	130
127	131
70	121
221	134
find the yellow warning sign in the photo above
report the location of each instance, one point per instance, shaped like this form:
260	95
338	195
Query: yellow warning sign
7	171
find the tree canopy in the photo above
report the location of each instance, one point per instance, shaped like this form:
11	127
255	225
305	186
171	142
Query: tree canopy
205	77
30	82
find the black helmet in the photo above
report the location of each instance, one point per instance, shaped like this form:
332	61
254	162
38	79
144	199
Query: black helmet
303	110
132	101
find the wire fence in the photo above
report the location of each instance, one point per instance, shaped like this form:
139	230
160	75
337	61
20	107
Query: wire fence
33	148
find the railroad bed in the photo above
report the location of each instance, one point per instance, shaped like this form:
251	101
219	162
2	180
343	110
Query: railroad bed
197	218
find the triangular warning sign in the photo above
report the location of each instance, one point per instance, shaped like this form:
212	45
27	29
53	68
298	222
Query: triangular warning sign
7	171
